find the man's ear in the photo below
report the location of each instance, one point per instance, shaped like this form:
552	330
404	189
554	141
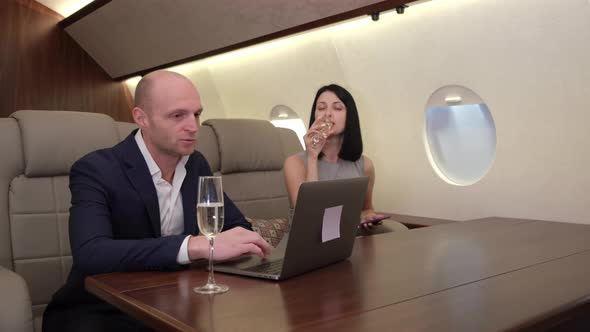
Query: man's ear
139	116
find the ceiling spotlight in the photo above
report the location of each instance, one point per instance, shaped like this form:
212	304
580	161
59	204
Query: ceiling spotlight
400	10
375	16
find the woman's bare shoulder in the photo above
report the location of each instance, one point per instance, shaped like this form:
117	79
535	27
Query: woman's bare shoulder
368	164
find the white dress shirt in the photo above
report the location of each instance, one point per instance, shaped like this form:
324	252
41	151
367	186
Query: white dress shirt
169	197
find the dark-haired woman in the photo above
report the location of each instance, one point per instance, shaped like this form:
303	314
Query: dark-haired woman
337	152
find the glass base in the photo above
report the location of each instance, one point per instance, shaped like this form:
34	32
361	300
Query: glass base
211	289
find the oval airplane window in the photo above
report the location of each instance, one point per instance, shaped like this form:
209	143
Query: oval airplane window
460	135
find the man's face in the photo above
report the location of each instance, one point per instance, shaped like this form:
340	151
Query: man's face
172	118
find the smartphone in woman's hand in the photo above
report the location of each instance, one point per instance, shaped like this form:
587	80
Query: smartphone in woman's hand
375	221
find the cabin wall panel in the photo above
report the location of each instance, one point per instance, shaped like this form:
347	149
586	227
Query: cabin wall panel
213	107
41	67
530	65
529	62
251	84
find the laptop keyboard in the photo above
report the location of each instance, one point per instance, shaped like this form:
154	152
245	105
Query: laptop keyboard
273	267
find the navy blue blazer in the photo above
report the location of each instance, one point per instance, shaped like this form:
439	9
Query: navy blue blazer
115	216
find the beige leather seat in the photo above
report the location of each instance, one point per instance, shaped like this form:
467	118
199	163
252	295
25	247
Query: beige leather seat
250	159
38	149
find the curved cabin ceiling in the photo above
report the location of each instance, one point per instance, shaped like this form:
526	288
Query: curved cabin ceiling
130	37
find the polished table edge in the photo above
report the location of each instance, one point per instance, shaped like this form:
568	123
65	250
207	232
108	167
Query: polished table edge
416	221
413	221
384	317
99	285
554	318
106	278
157	319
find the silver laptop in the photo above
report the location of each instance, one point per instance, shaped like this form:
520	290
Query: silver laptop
323	230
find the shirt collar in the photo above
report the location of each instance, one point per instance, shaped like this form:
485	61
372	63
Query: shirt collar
151	163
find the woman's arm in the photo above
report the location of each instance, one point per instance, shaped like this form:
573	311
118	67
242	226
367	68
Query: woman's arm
294	168
368	212
295	174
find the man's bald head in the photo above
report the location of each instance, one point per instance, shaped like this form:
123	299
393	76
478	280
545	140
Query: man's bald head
167	110
145	90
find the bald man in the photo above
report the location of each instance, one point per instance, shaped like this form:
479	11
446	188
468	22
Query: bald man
134	206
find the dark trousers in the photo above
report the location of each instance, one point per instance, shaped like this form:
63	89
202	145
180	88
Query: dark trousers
97	317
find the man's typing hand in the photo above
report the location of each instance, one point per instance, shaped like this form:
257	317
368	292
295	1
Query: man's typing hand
229	244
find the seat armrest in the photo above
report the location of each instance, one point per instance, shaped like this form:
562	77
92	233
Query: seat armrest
15	303
416	221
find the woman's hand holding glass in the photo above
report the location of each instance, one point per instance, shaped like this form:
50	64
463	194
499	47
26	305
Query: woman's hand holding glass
317	134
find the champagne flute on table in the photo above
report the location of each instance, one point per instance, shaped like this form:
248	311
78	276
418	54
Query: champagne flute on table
210	220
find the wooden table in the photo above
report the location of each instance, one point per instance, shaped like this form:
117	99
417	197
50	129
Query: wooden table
487	275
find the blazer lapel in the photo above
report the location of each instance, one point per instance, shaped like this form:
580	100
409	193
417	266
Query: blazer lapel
139	175
189	198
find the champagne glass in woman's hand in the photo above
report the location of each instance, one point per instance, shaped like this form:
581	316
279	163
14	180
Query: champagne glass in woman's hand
210	221
321	131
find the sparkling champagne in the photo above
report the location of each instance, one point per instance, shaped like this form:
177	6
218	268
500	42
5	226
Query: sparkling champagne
210	218
325	126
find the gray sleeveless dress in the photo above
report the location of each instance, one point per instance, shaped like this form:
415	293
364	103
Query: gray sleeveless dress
343	169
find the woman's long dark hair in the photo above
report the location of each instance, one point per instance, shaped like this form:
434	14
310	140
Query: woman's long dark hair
352	142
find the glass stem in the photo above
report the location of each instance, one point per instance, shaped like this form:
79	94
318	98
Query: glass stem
211	279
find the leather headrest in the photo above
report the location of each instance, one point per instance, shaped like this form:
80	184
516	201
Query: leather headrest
247	145
54	140
207	145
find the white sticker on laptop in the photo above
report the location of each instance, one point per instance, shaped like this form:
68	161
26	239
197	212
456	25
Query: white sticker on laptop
331	223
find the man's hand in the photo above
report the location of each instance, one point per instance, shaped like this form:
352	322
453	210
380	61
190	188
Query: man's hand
229	244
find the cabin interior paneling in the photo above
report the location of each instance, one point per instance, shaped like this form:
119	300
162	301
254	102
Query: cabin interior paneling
43	68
